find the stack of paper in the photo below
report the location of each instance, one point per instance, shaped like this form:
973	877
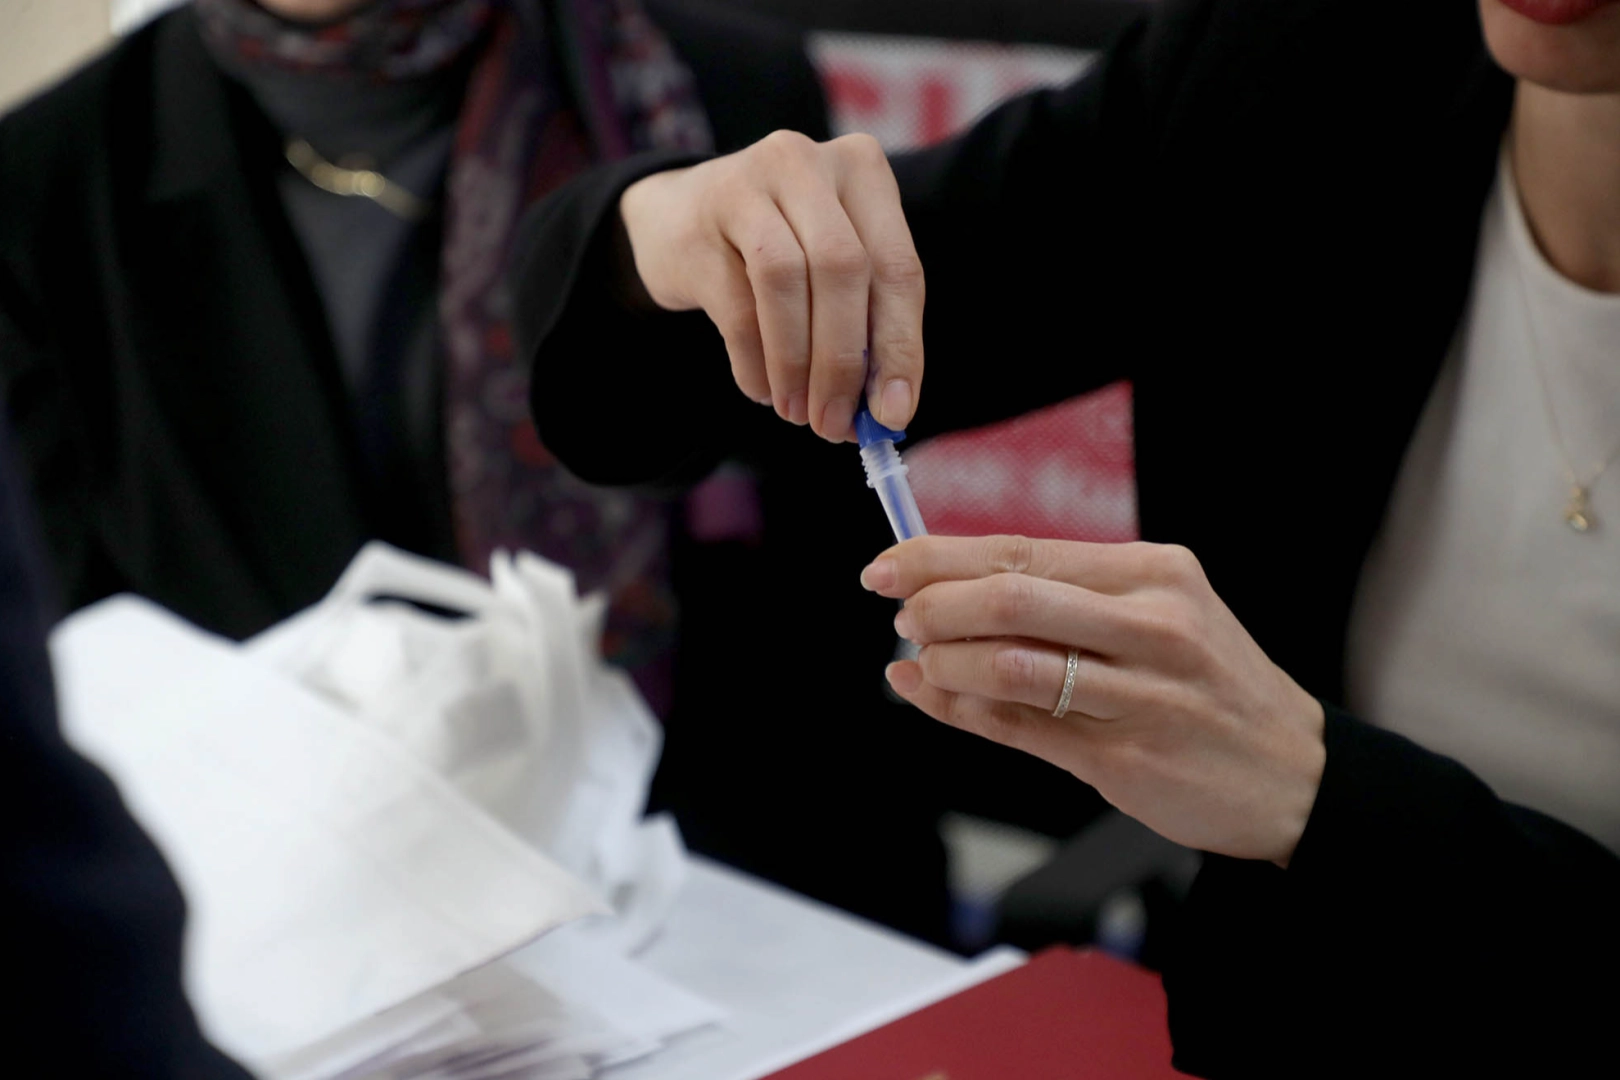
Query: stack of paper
377	809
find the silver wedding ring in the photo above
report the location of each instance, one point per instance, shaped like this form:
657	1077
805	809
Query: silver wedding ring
1068	684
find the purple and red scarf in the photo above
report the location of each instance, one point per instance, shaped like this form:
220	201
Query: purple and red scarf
524	130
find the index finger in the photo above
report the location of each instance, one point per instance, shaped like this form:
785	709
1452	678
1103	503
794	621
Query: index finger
871	198
1114	569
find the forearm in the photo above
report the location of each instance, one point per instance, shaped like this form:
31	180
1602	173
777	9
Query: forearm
1029	295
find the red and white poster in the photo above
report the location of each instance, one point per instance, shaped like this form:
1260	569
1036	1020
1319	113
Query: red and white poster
1066	471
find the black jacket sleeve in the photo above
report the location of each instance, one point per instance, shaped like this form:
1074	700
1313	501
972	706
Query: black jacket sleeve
753	75
90	919
1001	326
1054	234
603	389
1423	927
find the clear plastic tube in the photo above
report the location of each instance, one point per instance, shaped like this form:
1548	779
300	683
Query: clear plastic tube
886	474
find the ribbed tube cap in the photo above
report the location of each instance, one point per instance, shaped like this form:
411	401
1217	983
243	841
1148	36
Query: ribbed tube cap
869	431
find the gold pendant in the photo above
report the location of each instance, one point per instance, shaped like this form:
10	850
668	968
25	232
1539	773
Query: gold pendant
1576	514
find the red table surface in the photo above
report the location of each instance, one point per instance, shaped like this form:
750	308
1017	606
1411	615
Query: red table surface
1065	1015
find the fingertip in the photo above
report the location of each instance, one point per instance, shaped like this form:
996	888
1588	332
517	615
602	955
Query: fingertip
894	405
754	396
905	676
880	574
837	419
796	410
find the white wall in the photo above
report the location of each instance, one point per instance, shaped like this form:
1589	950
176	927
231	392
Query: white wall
43	39
128	14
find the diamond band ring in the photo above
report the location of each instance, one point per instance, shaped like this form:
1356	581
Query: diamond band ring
1068	684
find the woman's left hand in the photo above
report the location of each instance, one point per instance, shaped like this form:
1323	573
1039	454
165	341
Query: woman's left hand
1177	717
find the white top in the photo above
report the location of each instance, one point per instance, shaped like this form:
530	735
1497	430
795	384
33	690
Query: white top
1484	626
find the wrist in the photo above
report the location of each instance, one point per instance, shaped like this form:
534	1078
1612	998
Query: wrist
628	288
1305	762
647	209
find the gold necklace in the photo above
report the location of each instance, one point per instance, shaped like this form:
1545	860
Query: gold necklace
364	183
1578	510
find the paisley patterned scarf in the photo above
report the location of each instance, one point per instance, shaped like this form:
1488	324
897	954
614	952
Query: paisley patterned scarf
527	125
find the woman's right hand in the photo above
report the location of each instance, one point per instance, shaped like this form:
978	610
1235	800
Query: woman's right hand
800	254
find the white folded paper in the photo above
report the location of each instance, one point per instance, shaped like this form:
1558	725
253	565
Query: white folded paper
370	804
328	874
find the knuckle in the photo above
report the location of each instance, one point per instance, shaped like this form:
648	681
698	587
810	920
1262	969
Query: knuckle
920	608
1009	554
899	352
1178	565
728	199
1123	759
920	559
841	364
861	148
738	327
842	261
1175	625
1011	599
901	270
729	181
1146	559
1171	698
785	143
780	270
1012	669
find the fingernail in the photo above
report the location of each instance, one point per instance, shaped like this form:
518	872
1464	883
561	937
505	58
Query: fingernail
904	625
881	575
836	418
766	400
798	409
896	405
904	676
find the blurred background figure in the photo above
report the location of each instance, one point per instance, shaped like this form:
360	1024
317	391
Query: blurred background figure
317	350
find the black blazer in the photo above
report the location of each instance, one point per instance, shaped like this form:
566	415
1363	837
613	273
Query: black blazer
1264	213
177	403
181	420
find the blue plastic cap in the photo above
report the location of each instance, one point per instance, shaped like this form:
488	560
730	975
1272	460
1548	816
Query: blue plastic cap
869	431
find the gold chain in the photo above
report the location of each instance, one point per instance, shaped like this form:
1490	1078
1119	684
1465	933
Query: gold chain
1578	511
363	183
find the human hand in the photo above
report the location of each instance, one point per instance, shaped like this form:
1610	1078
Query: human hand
1177	716
800	254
